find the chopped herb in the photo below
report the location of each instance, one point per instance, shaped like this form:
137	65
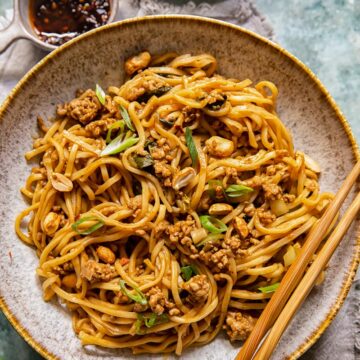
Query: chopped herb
149	320
143	161
100	93
144	98
191	146
211	237
212	224
167	123
217	104
269	289
139	297
149	144
238	190
116	125
187	272
91	229
119	144
213	190
126	117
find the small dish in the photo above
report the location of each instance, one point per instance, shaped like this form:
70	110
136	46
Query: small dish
21	27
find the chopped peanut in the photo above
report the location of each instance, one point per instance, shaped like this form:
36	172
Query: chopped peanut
51	223
105	254
69	280
241	227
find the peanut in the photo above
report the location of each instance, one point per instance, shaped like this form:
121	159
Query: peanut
51	223
105	254
69	280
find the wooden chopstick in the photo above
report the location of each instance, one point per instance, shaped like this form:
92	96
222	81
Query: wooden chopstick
307	282
294	274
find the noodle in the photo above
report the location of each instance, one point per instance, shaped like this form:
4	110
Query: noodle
169	209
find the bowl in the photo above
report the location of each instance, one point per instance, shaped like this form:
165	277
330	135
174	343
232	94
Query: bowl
304	105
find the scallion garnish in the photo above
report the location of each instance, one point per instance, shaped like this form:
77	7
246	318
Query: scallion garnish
191	146
143	161
116	125
212	224
237	190
149	320
211	237
187	272
269	289
166	123
213	192
100	93
91	229
126	117
119	144
139	297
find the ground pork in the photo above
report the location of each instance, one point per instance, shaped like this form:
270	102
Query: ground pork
180	233
85	107
238	326
142	87
266	217
158	301
99	127
137	62
236	245
215	257
198	288
94	271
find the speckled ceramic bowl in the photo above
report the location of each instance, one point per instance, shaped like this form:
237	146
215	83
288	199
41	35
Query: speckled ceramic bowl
304	105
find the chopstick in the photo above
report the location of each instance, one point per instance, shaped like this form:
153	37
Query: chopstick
294	274
307	282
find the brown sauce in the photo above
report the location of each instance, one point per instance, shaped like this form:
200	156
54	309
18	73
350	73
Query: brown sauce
58	21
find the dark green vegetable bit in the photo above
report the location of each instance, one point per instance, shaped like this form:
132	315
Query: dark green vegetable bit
143	161
269	289
91	229
191	146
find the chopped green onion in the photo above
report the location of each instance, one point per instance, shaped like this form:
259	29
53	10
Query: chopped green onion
116	125
139	297
100	93
212	224
149	320
213	185
91	229
211	237
191	146
237	190
167	123
119	144
269	289
149	144
126	117
143	161
187	272
138	324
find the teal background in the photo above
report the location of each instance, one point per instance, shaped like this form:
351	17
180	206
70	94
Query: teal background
325	35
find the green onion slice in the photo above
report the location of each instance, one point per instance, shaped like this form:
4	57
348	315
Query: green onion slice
91	229
143	161
149	320
213	185
139	297
237	190
211	237
269	289
100	93
191	146
212	224
116	125
187	272
119	144
126	117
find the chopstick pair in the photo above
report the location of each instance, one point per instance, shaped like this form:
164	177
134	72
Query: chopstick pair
281	307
